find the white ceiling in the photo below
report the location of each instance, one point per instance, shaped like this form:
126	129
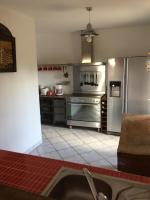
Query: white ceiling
70	15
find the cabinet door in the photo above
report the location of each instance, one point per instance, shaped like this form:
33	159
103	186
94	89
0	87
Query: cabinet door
59	118
46	109
46	118
45	105
59	111
59	103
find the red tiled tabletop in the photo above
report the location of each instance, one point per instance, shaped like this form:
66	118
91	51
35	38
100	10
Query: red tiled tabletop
32	173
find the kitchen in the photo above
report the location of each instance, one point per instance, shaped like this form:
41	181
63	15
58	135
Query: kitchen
75	105
55	48
87	103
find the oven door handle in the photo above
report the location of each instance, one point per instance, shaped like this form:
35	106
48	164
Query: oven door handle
83	104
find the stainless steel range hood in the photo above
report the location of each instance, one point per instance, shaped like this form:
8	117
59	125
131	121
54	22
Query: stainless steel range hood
87	53
87	56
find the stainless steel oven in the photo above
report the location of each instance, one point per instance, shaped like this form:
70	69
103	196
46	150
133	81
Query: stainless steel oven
83	111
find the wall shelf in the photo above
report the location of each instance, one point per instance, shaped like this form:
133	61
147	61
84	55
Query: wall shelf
104	114
52	67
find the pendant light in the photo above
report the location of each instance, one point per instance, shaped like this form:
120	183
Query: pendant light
89	33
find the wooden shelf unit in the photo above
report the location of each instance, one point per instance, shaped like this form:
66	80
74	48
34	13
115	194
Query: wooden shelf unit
104	113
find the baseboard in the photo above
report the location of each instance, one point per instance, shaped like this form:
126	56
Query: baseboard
33	147
113	133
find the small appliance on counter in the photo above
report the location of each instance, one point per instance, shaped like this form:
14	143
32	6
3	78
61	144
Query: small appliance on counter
44	91
59	90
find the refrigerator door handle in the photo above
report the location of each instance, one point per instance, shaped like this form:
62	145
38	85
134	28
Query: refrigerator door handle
123	86
126	86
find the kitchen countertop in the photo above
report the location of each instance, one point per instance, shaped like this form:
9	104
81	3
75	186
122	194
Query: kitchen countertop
72	95
32	173
56	96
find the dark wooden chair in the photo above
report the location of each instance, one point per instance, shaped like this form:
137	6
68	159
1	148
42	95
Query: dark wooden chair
134	146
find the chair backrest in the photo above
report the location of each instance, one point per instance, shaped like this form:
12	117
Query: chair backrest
135	135
134	146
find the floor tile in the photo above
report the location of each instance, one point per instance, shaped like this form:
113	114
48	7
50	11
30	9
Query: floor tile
42	149
69	137
106	152
64	132
52	155
83	148
91	156
75	142
76	159
97	145
45	141
79	145
55	140
109	142
101	163
51	134
113	160
34	152
90	140
61	145
65	153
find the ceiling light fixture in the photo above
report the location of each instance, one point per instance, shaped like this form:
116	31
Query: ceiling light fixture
89	33
112	62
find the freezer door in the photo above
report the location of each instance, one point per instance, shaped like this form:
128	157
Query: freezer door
138	86
115	93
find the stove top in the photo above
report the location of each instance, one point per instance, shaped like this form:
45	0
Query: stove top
86	95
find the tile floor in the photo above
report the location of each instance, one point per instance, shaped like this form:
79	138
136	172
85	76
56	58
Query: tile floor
78	145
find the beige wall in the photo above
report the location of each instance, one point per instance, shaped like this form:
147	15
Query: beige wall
57	48
20	126
127	41
115	42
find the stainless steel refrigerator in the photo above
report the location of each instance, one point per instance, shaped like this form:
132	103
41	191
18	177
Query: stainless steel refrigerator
128	89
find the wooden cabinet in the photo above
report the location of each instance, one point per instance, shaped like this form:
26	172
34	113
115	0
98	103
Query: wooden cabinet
104	114
53	110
